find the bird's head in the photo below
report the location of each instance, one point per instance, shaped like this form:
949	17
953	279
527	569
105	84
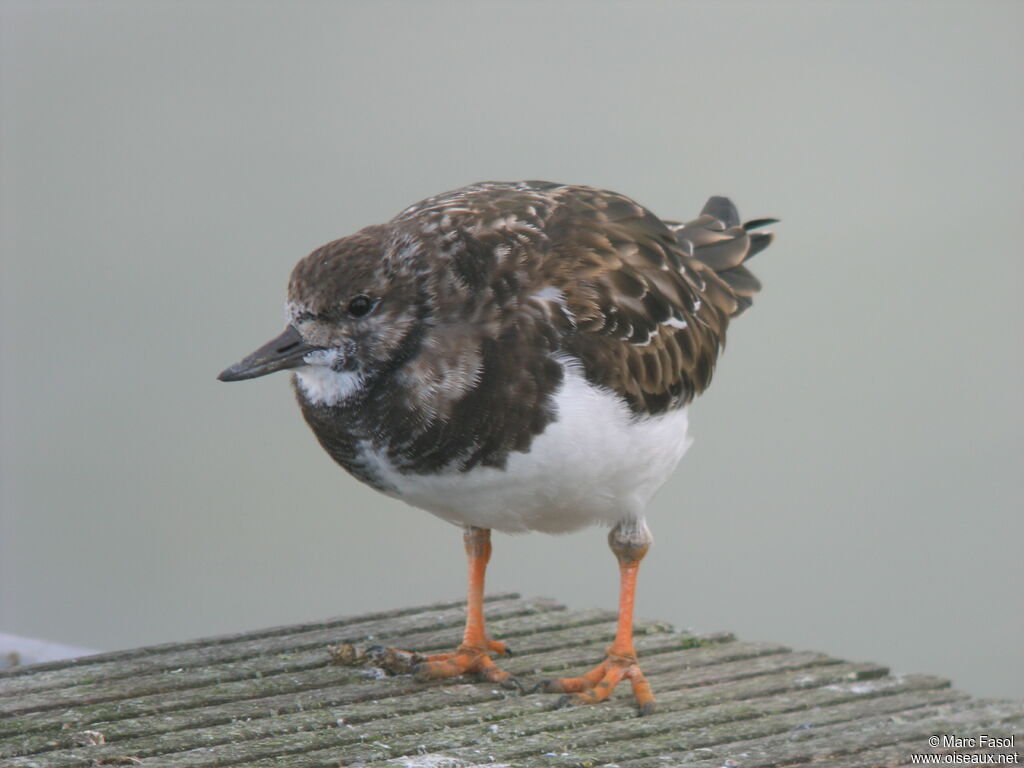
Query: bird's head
352	308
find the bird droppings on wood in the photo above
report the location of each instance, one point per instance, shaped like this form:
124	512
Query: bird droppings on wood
87	738
381	661
344	654
273	699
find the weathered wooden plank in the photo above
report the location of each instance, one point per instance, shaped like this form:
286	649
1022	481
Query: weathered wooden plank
705	696
546	737
404	686
880	740
282	654
422	726
542	631
206	642
598	739
271	699
356	688
135	697
304	689
100	670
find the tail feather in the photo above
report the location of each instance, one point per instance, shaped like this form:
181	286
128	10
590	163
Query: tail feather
726	251
758	223
718	239
741	280
722	208
758	242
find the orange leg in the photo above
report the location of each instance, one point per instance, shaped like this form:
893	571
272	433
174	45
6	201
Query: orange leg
629	540
473	656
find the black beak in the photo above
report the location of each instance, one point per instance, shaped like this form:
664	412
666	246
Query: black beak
286	351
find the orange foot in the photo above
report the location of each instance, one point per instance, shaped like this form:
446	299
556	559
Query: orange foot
468	659
598	684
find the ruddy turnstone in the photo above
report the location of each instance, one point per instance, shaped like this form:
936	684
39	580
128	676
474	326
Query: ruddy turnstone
518	357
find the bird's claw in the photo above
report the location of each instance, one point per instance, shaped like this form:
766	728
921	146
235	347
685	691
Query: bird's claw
545	686
597	684
468	660
513	684
565	701
392	660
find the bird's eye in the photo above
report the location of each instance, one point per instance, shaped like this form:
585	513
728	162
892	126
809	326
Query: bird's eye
360	305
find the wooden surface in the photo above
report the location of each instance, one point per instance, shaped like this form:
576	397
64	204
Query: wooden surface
271	699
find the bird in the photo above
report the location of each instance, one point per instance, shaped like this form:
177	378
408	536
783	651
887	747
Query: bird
517	356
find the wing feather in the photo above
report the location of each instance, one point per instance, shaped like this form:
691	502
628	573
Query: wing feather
643	303
655	318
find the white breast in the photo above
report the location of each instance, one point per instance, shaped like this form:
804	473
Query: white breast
596	464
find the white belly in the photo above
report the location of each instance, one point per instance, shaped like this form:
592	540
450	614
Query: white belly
596	464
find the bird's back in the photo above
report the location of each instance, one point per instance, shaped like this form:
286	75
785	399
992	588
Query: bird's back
642	303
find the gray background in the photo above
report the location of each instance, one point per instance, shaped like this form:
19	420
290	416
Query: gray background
855	483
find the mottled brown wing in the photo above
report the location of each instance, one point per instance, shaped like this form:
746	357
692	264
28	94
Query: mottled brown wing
651	299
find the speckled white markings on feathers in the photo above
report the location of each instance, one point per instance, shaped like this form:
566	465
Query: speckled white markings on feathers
550	293
672	322
618	461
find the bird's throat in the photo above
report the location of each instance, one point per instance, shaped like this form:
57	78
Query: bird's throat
322	385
